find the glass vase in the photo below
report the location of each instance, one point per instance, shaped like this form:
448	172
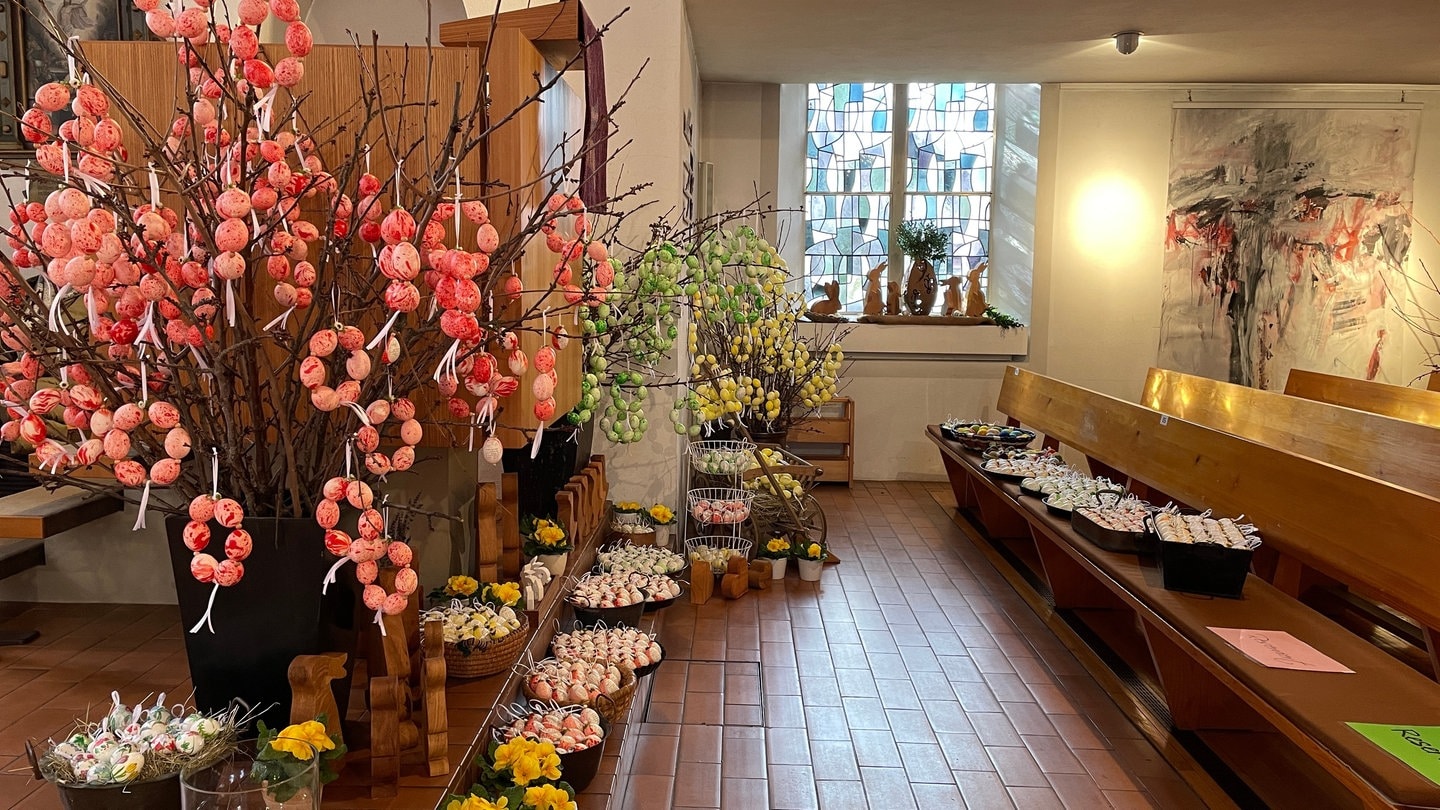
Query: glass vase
241	782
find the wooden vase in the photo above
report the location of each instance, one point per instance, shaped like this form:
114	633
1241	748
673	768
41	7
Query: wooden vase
921	288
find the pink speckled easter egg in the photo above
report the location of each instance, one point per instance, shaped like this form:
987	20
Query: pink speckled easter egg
395	604
366	571
545	410
335	489
128	416
298	39
492	450
374	597
196	535
312	372
406	581
544	359
165	471
323	342
542	387
359	495
177	443
378	464
487	239
327	514
117	444
163	415
229	572
398	226
202	508
202	567
89	452
411	432
357	365
239	545
229	513
403	458
370	524
324	398
400	553
129	473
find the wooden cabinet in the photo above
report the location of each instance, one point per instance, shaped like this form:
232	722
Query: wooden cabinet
827	440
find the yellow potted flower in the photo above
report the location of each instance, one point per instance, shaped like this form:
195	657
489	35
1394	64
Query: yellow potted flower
546	541
810	558
662	518
778	550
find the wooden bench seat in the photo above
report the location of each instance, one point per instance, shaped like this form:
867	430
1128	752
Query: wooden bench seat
1209	686
38	513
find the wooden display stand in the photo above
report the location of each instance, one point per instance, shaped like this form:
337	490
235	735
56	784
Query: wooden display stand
833	425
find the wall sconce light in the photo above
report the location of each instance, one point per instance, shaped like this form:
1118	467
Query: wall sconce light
1126	42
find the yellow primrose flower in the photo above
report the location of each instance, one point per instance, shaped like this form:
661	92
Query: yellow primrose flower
506	754
507	592
548	797
814	551
550	766
525	770
313	732
660	513
293	741
461	586
473	802
778	545
550	535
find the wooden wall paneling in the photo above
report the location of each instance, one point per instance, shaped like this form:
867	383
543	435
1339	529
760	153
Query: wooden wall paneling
1341	523
518	152
1392	450
487	533
1400	402
554	29
509	527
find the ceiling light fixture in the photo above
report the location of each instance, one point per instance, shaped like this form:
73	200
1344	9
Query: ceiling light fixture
1126	42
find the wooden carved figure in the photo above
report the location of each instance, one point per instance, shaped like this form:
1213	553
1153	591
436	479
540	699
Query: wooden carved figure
892	299
974	296
874	283
310	692
436	722
830	304
952	297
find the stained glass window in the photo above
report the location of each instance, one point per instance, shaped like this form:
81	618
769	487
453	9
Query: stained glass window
949	136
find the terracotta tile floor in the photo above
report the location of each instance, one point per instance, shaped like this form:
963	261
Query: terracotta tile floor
912	675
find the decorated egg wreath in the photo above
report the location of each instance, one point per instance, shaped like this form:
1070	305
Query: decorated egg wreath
204	567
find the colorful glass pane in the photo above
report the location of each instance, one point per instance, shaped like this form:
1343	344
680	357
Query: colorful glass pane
951	139
845	236
849	143
966	217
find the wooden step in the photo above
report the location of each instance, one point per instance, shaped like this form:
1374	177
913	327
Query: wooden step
38	513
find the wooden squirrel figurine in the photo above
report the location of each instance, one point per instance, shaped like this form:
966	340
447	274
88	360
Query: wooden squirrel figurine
830	304
873	284
951	306
974	296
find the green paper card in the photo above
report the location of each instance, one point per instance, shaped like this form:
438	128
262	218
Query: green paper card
1416	746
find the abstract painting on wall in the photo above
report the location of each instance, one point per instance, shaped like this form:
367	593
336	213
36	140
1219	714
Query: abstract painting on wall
1287	230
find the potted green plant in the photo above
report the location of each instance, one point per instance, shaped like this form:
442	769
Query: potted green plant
925	243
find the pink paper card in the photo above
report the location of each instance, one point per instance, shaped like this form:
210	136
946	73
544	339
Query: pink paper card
1279	650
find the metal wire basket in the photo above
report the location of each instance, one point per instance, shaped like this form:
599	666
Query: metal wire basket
739	545
719	506
722	457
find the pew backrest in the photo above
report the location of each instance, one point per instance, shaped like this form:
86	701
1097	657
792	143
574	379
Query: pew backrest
1396	401
1357	529
1392	450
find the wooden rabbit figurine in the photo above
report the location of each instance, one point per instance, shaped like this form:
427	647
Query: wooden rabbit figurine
830	304
874	304
952	297
974	296
892	298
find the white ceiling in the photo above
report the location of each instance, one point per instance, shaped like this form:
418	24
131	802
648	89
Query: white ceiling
1285	41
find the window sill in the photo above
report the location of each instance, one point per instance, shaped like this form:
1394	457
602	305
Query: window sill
867	341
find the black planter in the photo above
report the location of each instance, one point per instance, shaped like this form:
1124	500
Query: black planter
262	622
777	437
547	473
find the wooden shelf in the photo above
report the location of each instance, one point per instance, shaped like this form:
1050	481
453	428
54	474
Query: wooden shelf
827	440
38	513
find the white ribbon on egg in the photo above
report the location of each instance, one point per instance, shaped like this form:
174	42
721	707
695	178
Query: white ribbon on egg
279	320
331	576
209	607
57	324
144	505
264	108
447	360
154	186
384	331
